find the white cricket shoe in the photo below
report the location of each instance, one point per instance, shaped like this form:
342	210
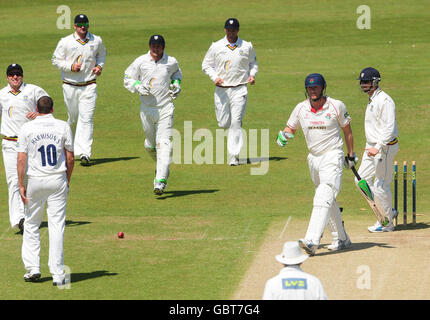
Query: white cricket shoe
308	246
340	244
234	161
32	276
58	280
159	186
377	227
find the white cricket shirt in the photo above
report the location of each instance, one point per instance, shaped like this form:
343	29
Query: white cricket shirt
232	63
156	75
15	106
380	120
294	284
44	140
321	128
68	50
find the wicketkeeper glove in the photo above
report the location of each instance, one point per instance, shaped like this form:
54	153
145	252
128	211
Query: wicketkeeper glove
283	137
351	161
142	88
175	89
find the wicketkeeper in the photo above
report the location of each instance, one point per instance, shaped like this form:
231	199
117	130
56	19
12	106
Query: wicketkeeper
156	77
321	119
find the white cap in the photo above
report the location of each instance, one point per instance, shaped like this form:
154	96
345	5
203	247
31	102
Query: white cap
291	254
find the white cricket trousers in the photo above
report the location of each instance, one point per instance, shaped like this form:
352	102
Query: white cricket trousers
81	105
157	123
16	206
380	168
326	173
230	107
52	191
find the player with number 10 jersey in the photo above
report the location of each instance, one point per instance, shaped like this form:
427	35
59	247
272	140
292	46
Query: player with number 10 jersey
44	140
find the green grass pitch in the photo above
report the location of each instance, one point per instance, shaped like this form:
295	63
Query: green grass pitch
196	241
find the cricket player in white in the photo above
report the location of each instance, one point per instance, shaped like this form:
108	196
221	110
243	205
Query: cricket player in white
231	64
17	106
80	57
156	77
321	119
292	283
381	144
46	159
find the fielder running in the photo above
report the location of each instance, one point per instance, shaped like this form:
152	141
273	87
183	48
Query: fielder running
17	106
156	77
292	283
381	144
231	64
45	158
80	57
321	118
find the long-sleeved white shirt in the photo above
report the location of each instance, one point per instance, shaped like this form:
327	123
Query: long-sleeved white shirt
380	120
232	63
321	128
294	284
15	106
155	75
91	50
44	140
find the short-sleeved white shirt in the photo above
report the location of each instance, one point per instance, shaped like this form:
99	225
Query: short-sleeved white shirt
44	140
294	284
321	128
15	106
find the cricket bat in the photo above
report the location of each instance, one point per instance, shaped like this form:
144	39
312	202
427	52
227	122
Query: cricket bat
373	202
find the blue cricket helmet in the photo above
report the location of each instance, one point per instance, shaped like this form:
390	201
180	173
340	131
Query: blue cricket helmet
315	80
369	74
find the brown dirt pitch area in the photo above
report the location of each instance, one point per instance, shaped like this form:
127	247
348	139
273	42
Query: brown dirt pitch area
377	266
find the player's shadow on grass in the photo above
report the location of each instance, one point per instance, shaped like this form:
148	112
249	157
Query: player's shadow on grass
182	193
76	277
95	162
257	160
69	223
355	246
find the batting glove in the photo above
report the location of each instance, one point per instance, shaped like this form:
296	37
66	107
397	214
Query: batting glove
283	137
351	161
175	89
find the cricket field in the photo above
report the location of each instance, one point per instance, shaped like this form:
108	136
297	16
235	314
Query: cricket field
214	233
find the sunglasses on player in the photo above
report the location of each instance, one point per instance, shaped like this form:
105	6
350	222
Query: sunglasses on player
82	24
14	73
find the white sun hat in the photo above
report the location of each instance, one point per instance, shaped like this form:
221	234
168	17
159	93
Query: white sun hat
291	254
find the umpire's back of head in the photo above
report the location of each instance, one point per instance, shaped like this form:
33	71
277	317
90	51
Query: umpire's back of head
45	105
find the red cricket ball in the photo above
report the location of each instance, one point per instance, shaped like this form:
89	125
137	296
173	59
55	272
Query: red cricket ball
121	234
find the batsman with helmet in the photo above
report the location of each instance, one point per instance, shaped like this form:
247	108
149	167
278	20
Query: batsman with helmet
321	118
381	144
